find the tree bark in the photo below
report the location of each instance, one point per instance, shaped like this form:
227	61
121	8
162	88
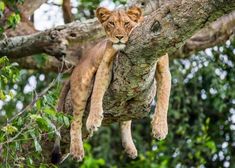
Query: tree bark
53	41
214	34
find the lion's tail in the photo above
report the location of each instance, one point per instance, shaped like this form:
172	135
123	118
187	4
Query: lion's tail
56	152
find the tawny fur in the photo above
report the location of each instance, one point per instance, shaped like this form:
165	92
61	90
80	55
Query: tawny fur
163	78
118	25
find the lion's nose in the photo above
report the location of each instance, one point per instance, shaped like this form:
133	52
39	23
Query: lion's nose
119	37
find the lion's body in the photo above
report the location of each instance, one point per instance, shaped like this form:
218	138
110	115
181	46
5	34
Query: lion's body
99	59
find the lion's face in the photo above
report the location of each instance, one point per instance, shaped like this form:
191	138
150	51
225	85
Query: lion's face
118	24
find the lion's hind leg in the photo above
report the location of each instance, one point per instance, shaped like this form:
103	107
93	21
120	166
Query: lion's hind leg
163	77
81	81
127	141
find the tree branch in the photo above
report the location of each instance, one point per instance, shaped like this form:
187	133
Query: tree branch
67	14
52	41
216	33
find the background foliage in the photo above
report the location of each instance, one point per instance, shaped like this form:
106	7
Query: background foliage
201	114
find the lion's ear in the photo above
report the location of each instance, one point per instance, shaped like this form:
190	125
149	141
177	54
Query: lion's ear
102	14
134	13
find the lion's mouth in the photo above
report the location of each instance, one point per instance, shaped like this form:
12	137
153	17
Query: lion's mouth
119	46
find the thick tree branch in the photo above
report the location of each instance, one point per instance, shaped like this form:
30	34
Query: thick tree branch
52	41
216	33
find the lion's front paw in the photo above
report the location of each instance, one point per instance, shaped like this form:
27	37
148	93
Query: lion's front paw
77	151
159	130
93	123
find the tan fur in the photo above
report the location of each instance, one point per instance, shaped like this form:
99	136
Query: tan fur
118	25
163	77
127	141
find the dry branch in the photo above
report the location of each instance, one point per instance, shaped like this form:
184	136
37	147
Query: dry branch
52	41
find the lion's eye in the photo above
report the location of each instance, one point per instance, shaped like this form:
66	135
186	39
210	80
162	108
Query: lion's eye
126	24
111	24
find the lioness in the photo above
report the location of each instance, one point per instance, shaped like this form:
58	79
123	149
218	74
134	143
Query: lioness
118	26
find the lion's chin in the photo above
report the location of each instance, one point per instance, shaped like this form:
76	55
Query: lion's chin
119	46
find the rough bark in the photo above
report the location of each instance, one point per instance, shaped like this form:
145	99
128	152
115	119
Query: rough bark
26	9
216	33
53	41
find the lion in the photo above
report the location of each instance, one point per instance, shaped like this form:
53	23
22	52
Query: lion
98	59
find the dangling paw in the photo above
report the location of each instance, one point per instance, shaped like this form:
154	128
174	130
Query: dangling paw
77	151
131	152
93	123
159	129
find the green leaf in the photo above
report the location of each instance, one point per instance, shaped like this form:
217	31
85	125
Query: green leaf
39	104
211	145
37	145
42	123
2	6
13	20
50	111
2	95
66	121
4	60
9	129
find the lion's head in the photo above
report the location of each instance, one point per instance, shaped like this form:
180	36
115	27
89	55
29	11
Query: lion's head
118	24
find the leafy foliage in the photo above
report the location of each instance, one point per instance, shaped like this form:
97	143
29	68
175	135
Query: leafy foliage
9	14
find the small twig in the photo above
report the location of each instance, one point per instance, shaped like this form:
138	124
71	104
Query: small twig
64	157
29	106
18	134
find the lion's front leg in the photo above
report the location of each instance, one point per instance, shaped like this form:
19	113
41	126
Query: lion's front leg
163	77
102	80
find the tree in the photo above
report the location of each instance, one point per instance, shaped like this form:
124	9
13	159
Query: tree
170	27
